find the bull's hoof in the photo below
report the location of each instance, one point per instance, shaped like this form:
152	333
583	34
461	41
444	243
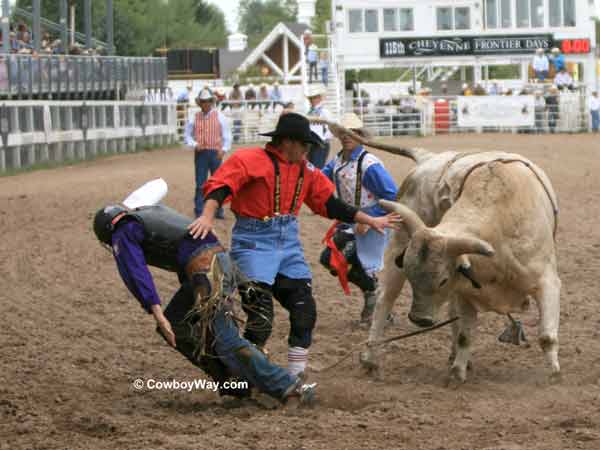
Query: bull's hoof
423	322
371	366
456	377
556	378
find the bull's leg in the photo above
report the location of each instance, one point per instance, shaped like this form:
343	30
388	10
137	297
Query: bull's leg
548	301
392	280
463	339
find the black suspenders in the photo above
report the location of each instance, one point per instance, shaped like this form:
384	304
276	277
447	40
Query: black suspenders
298	190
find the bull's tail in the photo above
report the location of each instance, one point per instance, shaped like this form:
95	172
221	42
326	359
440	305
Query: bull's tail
418	155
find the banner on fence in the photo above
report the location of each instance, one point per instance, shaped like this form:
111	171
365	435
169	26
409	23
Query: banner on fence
496	111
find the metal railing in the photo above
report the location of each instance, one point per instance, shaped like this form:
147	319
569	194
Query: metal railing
409	116
62	76
37	132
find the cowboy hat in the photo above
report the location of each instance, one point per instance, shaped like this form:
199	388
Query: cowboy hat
315	90
296	127
351	121
204	95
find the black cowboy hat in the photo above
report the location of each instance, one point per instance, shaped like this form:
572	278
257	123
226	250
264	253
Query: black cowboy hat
295	126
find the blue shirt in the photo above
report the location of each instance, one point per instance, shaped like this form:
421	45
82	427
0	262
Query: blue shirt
375	179
558	62
131	262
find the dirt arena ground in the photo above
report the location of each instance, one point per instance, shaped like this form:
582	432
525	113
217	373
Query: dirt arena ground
72	339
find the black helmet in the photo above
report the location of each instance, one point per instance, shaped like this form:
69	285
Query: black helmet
103	222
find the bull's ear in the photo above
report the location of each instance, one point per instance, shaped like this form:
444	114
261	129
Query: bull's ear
457	246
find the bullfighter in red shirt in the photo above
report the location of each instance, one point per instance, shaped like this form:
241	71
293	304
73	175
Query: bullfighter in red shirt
267	186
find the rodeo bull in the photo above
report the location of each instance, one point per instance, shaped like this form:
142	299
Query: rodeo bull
478	233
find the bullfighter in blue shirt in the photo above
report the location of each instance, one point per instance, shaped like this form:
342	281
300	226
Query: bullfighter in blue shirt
361	180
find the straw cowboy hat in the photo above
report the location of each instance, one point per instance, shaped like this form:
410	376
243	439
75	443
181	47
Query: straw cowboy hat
204	95
352	122
315	90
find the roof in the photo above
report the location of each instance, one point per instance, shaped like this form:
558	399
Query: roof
230	61
289	29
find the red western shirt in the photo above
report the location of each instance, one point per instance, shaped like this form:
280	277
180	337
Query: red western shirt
250	174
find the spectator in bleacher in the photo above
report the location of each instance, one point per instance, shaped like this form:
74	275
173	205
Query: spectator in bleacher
318	154
312	57
557	59
594	105
324	67
276	96
289	107
407	107
236	96
479	90
552	106
219	96
263	96
540	65
563	80
540	110
208	133
250	96
185	95
466	90
494	89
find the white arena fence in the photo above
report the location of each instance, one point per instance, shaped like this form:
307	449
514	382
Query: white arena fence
37	132
422	116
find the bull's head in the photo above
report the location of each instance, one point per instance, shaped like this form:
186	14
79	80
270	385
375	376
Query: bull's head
432	263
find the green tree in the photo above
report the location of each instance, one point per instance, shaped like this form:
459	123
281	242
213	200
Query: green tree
141	26
257	18
322	15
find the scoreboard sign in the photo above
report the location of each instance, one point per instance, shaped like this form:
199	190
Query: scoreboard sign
471	45
574	46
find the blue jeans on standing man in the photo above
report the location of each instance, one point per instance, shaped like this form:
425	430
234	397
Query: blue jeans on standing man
205	161
595	120
318	155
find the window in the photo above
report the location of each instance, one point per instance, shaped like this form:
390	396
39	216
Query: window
462	18
491	13
444	19
355	20
407	21
522	13
506	13
569	13
371	20
555	15
537	13
390	20
562	13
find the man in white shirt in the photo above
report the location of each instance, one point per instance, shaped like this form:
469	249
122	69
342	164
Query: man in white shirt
563	80
318	155
540	65
595	111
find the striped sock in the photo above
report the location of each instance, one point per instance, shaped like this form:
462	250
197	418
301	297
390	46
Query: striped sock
297	359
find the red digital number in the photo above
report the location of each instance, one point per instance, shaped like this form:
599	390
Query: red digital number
575	46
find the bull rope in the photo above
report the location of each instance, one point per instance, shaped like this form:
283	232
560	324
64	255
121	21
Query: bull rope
387	341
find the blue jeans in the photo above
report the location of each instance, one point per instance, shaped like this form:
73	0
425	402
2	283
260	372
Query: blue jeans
239	356
246	361
595	120
263	249
205	161
318	155
324	75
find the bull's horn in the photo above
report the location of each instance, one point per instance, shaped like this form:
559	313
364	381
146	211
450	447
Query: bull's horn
411	221
457	246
